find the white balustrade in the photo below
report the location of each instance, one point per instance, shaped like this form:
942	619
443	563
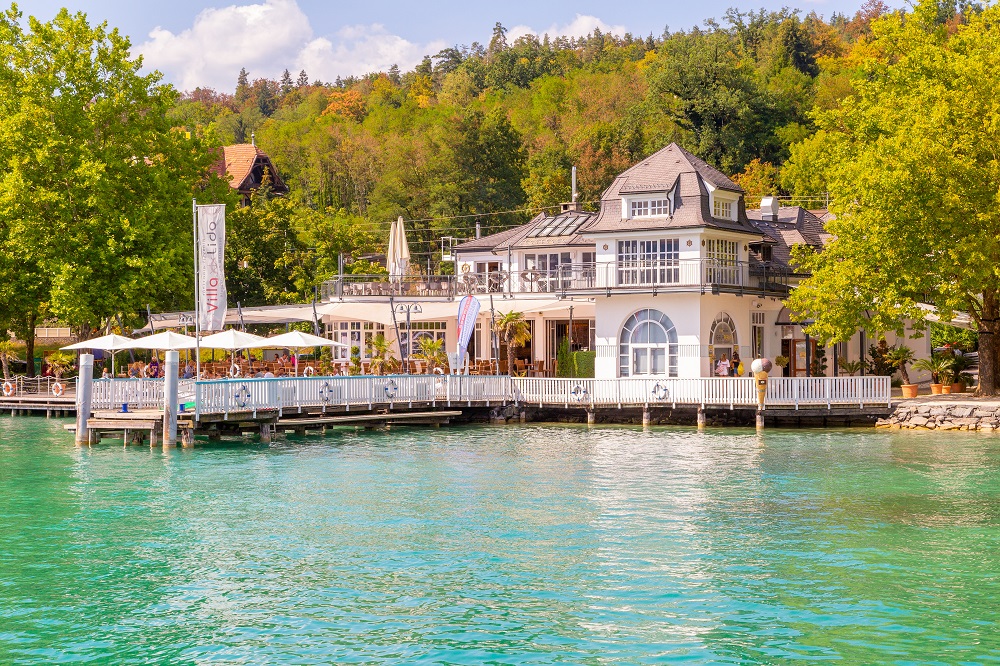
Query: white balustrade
228	396
725	391
136	393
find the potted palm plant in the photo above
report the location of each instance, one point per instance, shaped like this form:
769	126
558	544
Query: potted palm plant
901	356
60	362
961	379
939	365
849	368
380	352
515	331
432	351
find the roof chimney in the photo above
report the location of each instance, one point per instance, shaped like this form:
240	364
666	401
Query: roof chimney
769	209
572	204
253	139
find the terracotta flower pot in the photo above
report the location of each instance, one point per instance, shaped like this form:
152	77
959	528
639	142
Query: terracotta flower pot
958	387
945	389
936	389
910	390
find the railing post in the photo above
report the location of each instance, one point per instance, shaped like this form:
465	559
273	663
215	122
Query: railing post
171	366
84	397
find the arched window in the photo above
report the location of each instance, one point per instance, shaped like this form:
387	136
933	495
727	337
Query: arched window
648	345
722	338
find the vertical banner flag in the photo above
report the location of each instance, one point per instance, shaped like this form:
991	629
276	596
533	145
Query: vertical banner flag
468	310
211	267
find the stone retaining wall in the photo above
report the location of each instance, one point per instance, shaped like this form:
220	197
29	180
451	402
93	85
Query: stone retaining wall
957	416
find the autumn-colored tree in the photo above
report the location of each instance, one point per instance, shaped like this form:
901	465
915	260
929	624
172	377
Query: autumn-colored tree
758	179
349	104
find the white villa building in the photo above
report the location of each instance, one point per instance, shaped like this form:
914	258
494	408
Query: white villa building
672	274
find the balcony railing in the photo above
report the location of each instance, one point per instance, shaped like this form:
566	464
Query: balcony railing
706	275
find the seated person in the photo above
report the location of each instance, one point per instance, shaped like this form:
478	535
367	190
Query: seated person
189	371
106	374
153	369
133	370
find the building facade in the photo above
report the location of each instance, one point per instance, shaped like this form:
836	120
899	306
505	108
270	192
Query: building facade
673	276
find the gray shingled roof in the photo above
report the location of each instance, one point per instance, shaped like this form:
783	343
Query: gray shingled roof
795	226
670	169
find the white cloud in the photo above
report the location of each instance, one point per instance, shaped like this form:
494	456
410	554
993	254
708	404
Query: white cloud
581	26
266	38
360	49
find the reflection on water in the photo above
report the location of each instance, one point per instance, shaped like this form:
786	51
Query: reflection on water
536	544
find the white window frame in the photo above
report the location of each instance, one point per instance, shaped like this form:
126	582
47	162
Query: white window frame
658	207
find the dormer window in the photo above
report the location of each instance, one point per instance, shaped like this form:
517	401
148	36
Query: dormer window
722	209
649	208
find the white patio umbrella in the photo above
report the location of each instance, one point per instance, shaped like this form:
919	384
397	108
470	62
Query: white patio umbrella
168	340
233	340
111	342
397	257
296	340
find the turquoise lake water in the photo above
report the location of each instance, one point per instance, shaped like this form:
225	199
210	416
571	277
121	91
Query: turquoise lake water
505	545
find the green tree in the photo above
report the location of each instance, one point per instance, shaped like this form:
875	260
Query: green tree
716	98
266	261
94	185
914	179
8	353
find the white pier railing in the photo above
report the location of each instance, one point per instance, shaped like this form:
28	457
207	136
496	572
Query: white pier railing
111	394
724	391
227	396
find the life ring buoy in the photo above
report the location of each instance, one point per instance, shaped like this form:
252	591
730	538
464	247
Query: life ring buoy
58	389
579	393
234	370
243	396
325	393
9	389
660	392
309	371
391	389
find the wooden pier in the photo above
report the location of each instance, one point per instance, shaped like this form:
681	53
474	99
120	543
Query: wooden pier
146	426
175	412
51	406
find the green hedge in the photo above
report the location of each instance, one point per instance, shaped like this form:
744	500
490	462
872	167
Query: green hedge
574	364
583	362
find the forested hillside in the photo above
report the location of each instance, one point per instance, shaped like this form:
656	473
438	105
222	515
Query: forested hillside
496	127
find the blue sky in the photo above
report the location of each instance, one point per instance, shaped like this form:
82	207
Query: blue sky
199	42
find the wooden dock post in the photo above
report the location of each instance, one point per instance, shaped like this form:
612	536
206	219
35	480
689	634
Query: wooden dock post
646	418
701	417
172	362
591	417
760	419
84	398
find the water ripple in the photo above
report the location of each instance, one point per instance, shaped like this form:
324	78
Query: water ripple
522	545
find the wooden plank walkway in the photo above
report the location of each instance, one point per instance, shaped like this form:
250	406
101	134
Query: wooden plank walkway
396	418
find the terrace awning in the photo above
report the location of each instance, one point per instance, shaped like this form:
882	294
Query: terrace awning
381	311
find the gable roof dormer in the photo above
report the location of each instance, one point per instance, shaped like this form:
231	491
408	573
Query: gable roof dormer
243	165
689	182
